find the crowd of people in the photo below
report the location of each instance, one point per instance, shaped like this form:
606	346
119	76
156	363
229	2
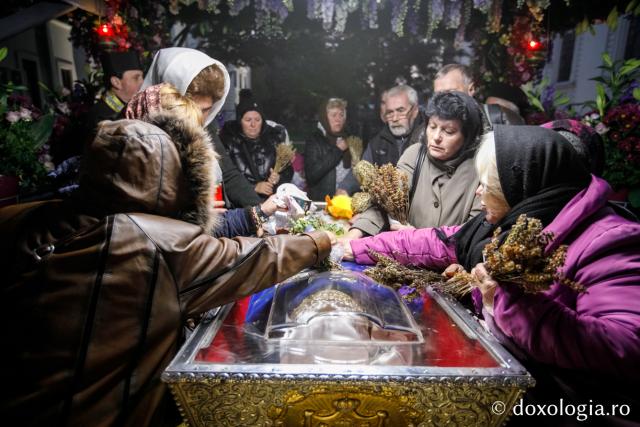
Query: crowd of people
99	285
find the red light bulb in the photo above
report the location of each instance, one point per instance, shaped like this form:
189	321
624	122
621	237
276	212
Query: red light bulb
533	45
105	30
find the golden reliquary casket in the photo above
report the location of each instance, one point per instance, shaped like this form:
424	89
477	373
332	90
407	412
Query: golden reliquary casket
338	349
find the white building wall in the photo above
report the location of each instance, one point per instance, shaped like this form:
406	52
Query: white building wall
61	53
587	57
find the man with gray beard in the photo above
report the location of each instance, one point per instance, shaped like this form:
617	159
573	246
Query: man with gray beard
404	127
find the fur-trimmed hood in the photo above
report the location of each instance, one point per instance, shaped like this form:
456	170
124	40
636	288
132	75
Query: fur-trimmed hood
164	167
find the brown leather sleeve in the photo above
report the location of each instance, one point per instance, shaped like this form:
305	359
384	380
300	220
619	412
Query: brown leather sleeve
323	244
212	272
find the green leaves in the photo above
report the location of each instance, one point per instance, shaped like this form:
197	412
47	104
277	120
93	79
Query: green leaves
560	99
536	103
616	78
601	98
636	93
41	130
3	53
612	19
535	94
634	7
629	66
582	26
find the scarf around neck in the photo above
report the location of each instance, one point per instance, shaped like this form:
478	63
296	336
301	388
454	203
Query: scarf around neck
471	121
331	137
144	103
539	173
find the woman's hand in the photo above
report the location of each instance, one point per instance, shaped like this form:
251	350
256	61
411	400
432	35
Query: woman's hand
269	206
342	144
451	271
346	244
486	284
396	226
332	237
274	177
341	192
264	188
218	207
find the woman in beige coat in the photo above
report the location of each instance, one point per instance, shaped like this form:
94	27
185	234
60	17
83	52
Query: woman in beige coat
442	178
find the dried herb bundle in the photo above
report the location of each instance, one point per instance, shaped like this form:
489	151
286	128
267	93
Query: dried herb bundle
284	157
521	259
365	173
390	191
355	149
360	202
389	272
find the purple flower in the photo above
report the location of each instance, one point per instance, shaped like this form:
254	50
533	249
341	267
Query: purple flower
437	11
237	5
601	128
547	97
327	13
627	96
454	14
482	5
406	290
312	9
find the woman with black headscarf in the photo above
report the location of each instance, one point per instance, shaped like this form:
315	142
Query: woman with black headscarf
327	159
442	179
579	345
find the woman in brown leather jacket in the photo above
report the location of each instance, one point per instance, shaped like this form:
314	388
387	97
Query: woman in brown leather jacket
96	288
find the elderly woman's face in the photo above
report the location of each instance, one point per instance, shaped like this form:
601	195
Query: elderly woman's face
444	138
495	208
251	124
336	118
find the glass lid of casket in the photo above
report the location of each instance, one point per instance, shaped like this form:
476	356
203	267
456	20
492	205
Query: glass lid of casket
343	317
339	307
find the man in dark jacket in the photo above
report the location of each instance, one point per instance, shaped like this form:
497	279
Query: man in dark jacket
96	289
122	79
500	108
404	127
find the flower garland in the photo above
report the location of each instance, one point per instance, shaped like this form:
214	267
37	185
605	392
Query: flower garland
144	26
135	25
504	56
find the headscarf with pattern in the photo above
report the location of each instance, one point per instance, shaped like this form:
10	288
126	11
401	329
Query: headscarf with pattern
144	103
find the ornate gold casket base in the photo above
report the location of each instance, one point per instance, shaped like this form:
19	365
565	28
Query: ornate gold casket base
233	372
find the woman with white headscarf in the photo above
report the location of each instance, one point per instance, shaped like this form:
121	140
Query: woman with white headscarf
195	74
206	81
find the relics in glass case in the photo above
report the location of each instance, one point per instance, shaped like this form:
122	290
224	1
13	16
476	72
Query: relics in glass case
337	348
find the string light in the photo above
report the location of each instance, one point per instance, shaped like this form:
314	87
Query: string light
105	30
534	45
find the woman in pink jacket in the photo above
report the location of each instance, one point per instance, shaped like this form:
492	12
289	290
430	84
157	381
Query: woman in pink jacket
577	346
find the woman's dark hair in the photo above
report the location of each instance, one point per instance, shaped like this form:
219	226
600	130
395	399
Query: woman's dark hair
453	105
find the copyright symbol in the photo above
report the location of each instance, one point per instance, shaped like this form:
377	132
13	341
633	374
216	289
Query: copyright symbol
498	407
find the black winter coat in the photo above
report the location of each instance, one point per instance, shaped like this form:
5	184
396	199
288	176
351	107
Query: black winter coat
239	193
254	158
320	161
385	147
